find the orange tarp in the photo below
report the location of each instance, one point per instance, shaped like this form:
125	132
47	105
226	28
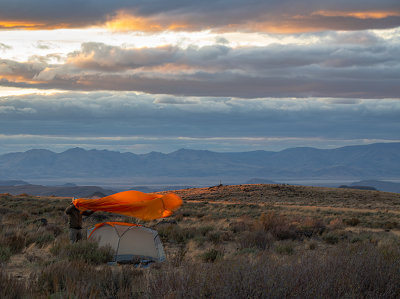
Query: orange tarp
145	206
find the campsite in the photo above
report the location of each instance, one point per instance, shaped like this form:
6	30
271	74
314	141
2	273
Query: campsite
240	241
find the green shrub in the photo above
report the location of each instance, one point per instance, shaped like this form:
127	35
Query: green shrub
343	272
278	226
179	217
42	239
65	276
77	279
5	253
309	227
312	246
15	240
175	234
10	287
214	237
204	230
331	238
59	245
388	225
211	255
352	221
257	239
178	256
86	251
241	226
284	248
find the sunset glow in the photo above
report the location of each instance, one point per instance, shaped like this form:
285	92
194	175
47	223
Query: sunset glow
359	14
125	22
222	75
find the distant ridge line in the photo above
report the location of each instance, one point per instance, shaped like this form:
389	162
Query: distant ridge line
356	162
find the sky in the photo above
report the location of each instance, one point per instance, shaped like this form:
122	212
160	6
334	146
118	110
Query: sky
227	76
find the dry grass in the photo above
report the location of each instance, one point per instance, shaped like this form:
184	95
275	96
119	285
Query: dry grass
248	241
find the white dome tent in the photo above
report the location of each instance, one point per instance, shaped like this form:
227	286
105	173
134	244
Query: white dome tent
129	241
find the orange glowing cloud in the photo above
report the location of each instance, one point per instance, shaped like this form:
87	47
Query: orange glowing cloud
286	27
20	25
282	21
127	22
26	25
18	79
358	14
315	21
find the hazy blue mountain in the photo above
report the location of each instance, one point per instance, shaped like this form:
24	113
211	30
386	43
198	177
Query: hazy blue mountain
378	161
359	187
379	185
39	190
12	182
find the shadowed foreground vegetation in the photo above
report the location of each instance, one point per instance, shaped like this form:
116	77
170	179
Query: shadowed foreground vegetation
227	246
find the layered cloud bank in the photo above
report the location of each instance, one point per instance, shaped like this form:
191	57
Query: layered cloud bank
257	15
360	65
141	123
219	75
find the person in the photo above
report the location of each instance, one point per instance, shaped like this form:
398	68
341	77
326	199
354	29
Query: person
75	222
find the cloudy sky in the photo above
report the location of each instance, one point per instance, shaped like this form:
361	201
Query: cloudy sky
156	75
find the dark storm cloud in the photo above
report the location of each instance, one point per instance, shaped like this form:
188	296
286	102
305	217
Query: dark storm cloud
340	65
255	15
125	114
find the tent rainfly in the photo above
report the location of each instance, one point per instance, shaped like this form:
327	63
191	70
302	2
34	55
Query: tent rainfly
128	241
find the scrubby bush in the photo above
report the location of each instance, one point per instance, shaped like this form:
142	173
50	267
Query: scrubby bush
178	255
14	239
280	254
211	255
241	226
204	230
86	251
284	247
331	238
361	270
175	234
5	253
352	221
278	226
12	288
309	227
80	280
214	237
257	239
343	272
390	225
41	239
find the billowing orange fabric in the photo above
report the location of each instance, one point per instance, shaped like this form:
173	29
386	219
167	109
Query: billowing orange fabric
145	206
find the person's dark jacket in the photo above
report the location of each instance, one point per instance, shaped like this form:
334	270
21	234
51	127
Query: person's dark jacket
75	216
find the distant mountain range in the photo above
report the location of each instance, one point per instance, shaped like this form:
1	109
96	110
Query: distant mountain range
67	191
377	161
379	185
